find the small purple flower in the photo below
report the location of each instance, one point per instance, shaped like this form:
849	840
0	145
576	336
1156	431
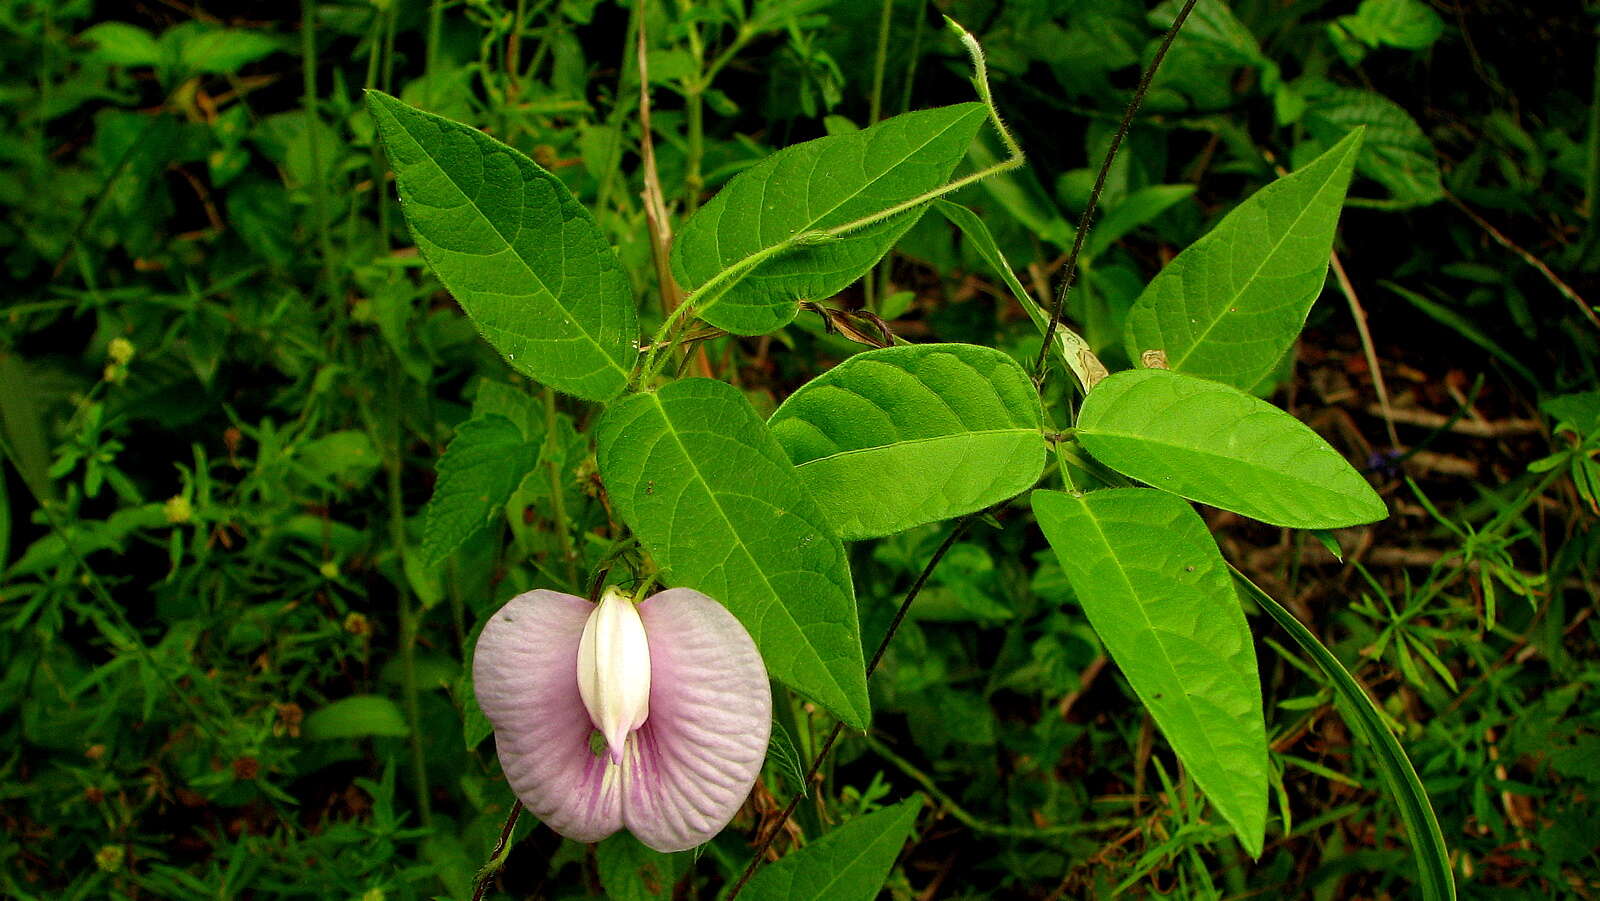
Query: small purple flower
654	717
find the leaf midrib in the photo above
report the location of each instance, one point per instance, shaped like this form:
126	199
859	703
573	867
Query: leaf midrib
766	180
515	251
912	442
738	541
1282	237
865	849
1196	720
1146	439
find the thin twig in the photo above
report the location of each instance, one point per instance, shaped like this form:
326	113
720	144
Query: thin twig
655	204
497	859
759	856
1565	289
1359	314
976	824
1100	184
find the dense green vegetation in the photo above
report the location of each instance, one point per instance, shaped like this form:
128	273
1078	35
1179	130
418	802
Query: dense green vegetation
237	617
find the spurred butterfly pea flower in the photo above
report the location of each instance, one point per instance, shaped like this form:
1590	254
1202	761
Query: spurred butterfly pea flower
653	717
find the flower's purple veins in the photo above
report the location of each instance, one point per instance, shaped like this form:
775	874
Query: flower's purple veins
683	772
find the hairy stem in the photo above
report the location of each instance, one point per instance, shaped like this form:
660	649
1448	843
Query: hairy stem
410	618
1071	267
760	854
664	339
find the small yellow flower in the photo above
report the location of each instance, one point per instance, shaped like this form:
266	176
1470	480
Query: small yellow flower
178	510
120	350
110	857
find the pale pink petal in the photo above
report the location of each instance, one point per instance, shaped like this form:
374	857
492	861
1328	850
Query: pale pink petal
525	673
691	765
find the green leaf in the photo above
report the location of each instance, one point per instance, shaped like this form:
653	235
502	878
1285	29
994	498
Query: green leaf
781	751
780	232
1230	305
1219	446
1422	827
1135	210
1579	412
357	716
851	863
1156	590
515	404
1213	27
629	871
697	476
1020	194
221	51
1408	24
345	456
1072	349
1464	326
485	461
525	260
1395	153
122	44
902	436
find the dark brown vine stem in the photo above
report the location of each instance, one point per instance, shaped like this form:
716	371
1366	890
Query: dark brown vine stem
961	525
1071	267
759	856
495	859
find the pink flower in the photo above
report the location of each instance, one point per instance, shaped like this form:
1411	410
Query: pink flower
654	717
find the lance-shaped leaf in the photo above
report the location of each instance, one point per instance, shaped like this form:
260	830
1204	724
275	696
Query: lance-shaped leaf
850	863
1395	153
1220	446
1428	850
1155	588
894	438
697	476
1073	350
768	240
478	472
631	871
525	260
1230	305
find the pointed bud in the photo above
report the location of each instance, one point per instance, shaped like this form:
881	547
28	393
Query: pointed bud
614	669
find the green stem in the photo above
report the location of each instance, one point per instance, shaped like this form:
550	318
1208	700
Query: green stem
410	618
380	167
558	504
914	55
756	859
1591	187
1071	267
876	112
825	235
435	36
879	62
630	67
694	88
972	822
318	186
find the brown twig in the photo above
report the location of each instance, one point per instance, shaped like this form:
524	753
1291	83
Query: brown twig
1085	679
1478	429
759	857
1499	237
1099	185
655	204
495	859
1359	313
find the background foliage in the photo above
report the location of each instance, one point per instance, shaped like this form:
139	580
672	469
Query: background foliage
231	667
